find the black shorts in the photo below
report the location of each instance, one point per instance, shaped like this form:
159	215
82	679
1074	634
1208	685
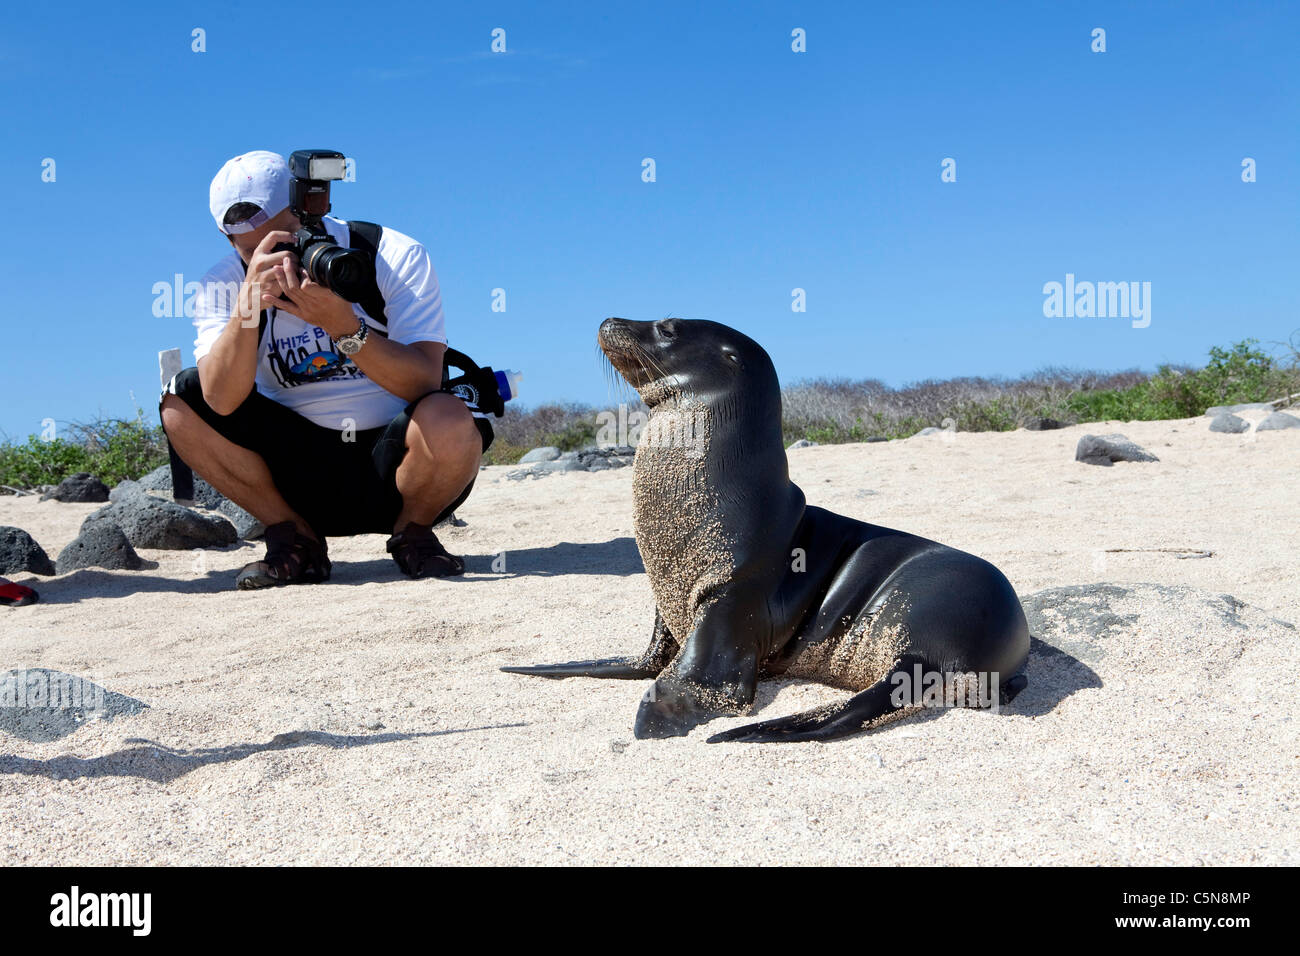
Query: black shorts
338	487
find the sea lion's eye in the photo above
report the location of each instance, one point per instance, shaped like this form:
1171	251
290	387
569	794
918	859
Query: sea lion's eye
734	357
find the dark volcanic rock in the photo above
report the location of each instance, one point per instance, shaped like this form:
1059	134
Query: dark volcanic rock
83	486
1229	423
40	705
545	453
20	552
160	479
124	488
1218	410
1278	421
1043	425
246	526
1108	449
151	522
592	458
100	545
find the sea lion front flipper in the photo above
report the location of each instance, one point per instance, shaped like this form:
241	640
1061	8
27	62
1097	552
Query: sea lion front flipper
657	656
714	675
617	668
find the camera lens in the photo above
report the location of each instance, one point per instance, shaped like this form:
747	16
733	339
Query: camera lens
343	271
347	270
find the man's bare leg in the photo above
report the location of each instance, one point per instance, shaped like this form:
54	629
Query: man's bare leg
238	473
443	448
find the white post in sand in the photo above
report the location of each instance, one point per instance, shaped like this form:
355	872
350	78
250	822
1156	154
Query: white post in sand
169	366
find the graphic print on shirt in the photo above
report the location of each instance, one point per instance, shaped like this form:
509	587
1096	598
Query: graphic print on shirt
305	358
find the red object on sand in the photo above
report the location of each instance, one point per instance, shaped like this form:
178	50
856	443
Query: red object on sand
16	595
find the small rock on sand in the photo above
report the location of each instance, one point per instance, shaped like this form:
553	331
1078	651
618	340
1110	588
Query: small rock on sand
1108	449
151	522
20	552
83	486
1043	425
101	545
1218	410
44	705
544	453
591	458
160	479
1229	423
1278	421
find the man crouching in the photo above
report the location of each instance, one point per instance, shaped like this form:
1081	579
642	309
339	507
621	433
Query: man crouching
313	413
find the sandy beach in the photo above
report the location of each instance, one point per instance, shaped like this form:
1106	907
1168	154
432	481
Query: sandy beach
364	721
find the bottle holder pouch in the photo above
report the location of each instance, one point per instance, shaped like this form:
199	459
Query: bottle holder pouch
475	385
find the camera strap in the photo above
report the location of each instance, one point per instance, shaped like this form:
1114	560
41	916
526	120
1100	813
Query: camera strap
365	236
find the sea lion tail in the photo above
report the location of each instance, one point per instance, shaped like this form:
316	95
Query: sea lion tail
877	705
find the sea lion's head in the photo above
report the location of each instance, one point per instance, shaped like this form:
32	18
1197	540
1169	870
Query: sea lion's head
675	359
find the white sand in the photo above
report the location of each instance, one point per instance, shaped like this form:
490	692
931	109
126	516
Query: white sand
261	742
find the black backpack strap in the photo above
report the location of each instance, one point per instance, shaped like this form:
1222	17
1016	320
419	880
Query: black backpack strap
365	236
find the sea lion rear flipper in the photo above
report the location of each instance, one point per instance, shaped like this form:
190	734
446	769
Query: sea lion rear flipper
657	656
876	705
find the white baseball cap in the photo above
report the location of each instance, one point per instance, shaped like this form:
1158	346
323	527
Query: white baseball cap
259	177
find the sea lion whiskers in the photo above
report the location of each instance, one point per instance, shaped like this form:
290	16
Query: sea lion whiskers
655	383
614	381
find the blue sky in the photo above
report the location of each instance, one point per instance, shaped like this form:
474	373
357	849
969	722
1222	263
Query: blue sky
775	170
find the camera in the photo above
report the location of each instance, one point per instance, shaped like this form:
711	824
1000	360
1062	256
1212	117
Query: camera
347	273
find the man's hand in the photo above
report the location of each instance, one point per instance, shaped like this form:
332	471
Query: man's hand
261	281
312	302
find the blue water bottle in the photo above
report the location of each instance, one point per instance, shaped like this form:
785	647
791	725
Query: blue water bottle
508	383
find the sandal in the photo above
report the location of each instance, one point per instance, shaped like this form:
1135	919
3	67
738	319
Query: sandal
291	558
420	554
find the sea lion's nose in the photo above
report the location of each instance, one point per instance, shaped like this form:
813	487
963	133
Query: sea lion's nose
612	327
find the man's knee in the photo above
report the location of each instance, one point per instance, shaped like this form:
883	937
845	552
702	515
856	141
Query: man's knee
179	396
443	422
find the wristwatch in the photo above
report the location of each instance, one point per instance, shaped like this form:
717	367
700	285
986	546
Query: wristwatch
351	344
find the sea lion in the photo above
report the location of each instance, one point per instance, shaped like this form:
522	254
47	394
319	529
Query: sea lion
750	582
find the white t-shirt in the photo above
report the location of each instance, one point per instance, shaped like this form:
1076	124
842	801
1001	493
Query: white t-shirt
340	396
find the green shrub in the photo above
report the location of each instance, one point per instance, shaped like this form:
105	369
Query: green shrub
576	434
111	449
1240	374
